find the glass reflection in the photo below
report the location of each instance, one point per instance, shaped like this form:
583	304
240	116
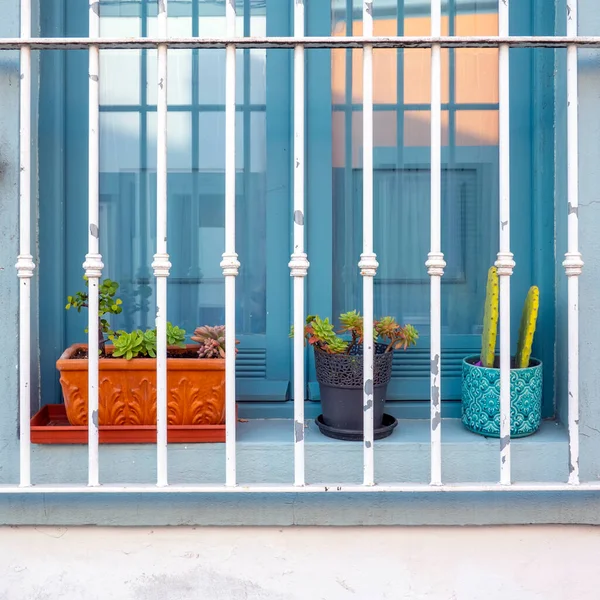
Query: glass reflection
402	163
196	166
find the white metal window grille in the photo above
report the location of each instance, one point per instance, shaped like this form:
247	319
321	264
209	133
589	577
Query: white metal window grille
299	264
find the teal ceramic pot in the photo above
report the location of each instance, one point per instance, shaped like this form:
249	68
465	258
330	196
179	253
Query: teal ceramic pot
481	398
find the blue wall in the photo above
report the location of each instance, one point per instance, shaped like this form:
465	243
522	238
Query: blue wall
589	226
9	227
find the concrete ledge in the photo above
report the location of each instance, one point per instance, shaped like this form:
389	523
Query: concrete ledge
500	508
265	455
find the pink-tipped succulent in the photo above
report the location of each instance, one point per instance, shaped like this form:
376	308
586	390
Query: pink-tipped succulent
211	340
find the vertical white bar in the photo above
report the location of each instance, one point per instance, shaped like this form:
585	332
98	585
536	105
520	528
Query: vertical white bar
368	261
299	262
573	263
230	264
161	264
93	261
504	262
435	261
25	264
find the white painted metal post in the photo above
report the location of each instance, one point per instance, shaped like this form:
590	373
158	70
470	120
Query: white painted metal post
368	260
161	264
299	263
368	263
504	263
435	260
25	265
93	260
230	264
573	264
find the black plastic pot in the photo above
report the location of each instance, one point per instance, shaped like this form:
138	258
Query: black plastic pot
340	378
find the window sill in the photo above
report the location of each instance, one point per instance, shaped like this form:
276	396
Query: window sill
266	455
403	457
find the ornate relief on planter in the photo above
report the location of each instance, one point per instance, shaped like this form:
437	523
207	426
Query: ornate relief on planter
481	398
127	389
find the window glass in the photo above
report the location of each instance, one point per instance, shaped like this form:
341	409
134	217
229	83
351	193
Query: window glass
196	166
401	130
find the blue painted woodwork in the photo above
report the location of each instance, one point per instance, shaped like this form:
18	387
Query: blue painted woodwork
195	202
469	215
265	198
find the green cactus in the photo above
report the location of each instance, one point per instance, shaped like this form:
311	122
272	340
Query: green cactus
490	320
527	328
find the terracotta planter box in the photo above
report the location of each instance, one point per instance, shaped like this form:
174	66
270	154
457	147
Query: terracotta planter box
51	426
127	389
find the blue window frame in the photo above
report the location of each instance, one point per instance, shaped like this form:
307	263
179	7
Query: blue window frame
196	182
469	182
334	184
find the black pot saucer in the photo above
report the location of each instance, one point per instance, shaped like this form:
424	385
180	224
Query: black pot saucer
351	435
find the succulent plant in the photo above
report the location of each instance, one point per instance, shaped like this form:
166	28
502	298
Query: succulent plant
321	333
527	328
127	344
397	336
352	323
135	344
211	340
140	343
175	336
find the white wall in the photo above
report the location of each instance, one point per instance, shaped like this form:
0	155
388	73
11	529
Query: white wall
549	562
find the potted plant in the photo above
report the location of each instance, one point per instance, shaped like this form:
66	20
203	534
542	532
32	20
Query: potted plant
481	374
339	366
127	372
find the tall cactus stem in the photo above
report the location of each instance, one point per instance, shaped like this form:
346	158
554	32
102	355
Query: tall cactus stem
490	319
527	328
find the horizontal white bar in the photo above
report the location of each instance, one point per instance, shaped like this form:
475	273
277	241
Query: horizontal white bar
417	488
307	42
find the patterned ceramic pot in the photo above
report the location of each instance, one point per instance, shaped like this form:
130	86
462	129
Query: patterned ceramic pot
481	398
